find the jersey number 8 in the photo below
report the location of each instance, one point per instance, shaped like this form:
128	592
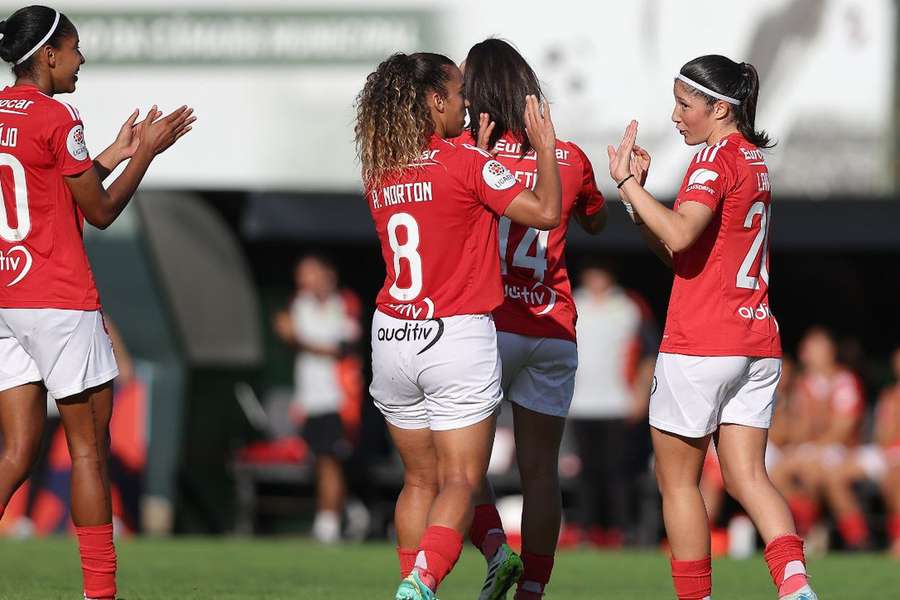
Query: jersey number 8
407	250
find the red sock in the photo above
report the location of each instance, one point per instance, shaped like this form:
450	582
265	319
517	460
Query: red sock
535	577
407	561
893	527
805	511
98	560
486	532
854	529
787	565
438	552
692	578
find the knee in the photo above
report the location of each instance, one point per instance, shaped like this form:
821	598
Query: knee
423	480
539	470
460	479
742	482
19	463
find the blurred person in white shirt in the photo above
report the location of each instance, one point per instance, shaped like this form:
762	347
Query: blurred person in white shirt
617	344
321	325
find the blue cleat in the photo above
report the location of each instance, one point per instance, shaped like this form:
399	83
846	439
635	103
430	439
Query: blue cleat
412	588
804	593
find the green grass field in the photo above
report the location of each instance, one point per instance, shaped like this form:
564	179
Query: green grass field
220	569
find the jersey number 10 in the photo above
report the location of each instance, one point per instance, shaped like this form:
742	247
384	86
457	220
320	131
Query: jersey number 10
20	191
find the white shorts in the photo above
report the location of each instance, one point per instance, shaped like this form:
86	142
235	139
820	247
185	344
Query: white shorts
875	461
69	350
538	373
439	374
693	395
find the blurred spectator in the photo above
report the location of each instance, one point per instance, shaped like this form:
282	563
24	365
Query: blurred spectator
825	417
617	344
878	462
322	324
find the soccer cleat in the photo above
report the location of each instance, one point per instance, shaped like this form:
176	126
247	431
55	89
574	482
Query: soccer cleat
504	569
804	593
412	588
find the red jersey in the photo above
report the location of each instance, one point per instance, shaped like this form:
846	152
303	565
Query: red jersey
42	259
537	293
822	398
720	298
437	223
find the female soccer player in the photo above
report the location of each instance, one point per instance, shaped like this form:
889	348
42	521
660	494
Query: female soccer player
52	338
535	323
719	361
436	370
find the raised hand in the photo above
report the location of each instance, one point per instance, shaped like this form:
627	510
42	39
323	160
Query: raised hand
157	134
620	159
485	129
125	143
640	164
539	127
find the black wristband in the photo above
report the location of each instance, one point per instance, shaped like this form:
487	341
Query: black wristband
621	183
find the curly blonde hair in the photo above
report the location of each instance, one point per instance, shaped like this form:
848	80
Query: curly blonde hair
393	121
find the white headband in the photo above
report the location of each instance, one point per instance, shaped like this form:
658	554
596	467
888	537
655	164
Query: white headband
706	90
43	41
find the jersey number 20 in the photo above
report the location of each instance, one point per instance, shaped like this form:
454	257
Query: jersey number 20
20	191
744	279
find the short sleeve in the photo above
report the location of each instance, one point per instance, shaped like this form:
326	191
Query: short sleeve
493	184
68	143
589	200
708	177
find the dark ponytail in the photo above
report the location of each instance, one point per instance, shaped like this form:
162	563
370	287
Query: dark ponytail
497	79
735	80
25	28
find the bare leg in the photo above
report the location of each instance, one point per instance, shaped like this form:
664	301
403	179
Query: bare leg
330	484
462	459
839	488
23	410
679	461
538	438
742	456
420	483
85	417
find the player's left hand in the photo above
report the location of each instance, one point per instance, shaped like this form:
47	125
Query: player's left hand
620	159
640	164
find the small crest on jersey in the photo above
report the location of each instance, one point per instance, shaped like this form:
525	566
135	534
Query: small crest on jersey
75	143
701	176
497	176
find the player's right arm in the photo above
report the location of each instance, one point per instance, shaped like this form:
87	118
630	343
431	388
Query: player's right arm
676	229
542	207
101	206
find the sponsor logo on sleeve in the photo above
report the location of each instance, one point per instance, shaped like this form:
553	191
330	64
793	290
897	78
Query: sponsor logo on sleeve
75	143
497	176
699	179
